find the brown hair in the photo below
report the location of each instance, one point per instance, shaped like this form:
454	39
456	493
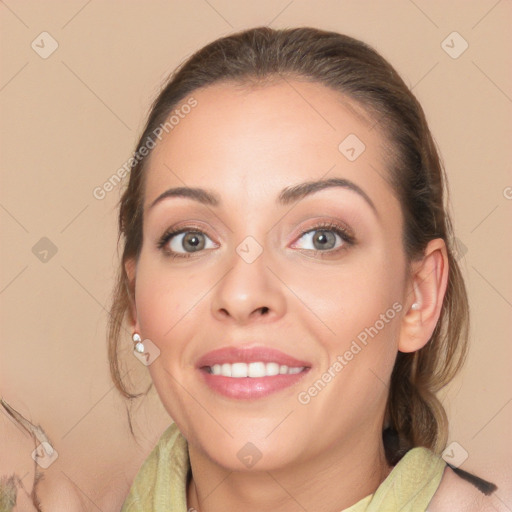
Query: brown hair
351	67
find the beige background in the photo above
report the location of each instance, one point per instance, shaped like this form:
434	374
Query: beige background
69	121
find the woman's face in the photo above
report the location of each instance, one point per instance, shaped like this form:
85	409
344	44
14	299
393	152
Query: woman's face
267	273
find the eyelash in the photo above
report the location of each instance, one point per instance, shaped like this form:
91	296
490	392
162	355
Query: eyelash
342	232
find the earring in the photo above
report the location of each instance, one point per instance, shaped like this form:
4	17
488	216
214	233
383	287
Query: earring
415	306
139	346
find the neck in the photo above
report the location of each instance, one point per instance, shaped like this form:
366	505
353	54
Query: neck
332	481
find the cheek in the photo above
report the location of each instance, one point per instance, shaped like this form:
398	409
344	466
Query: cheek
349	297
164	300
357	332
354	311
167	311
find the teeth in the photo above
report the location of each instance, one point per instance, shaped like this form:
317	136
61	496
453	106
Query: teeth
257	369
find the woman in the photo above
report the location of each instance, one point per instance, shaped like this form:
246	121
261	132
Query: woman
288	278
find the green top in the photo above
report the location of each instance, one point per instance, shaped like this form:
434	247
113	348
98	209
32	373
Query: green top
161	483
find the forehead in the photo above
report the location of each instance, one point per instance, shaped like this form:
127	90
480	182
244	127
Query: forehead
249	142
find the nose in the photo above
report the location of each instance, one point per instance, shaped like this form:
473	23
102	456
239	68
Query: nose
249	292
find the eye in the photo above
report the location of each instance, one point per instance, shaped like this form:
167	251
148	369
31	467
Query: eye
184	242
324	238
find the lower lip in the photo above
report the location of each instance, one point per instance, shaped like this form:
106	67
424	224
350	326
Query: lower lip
246	388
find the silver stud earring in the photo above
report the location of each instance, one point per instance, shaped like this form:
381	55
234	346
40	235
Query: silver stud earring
139	346
415	306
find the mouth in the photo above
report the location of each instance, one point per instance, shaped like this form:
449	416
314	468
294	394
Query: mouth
253	370
245	374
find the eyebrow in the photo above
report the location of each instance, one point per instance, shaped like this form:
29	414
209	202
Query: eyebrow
288	195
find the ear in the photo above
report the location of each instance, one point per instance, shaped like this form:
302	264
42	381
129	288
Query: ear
130	267
426	287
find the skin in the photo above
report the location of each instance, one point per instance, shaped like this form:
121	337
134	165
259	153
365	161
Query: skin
247	144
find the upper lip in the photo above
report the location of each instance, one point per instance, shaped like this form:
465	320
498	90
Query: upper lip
249	355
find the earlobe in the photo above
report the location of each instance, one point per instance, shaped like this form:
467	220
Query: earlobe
424	301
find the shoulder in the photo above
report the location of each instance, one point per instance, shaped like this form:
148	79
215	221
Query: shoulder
457	494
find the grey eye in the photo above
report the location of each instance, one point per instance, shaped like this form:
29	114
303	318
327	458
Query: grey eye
189	241
322	239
